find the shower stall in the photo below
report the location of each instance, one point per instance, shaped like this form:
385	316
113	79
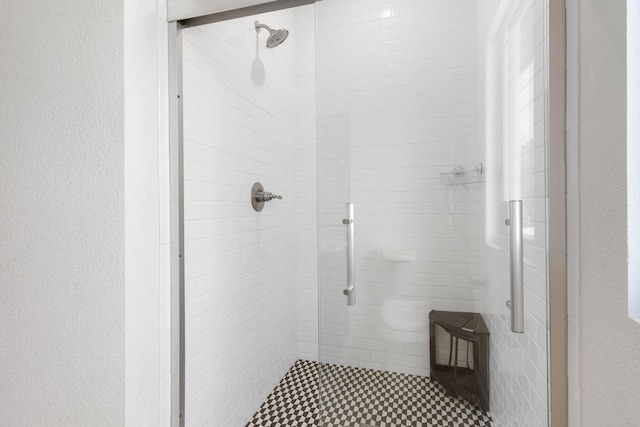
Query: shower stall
384	143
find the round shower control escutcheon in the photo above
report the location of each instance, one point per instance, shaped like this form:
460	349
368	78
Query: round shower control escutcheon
259	196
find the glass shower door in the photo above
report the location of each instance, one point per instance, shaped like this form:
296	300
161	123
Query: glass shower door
430	119
516	148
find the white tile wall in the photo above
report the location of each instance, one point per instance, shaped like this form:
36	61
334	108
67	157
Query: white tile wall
396	88
511	75
240	102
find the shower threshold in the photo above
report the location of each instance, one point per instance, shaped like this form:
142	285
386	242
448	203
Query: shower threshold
314	394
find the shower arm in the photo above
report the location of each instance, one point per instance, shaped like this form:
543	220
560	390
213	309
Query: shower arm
258	26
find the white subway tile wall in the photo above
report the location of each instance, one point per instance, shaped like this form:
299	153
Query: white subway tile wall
240	109
512	79
397	106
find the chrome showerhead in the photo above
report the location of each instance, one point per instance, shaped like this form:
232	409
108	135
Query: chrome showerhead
276	37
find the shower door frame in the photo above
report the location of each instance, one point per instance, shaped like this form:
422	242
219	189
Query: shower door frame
556	193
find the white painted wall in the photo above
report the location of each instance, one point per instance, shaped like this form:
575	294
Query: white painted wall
142	216
62	227
609	392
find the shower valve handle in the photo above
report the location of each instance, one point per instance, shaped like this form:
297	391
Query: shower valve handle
265	196
259	196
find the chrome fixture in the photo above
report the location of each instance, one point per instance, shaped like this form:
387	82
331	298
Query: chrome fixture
516	304
350	291
259	196
463	175
276	37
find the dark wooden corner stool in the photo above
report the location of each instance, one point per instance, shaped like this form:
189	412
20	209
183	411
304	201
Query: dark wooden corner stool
472	384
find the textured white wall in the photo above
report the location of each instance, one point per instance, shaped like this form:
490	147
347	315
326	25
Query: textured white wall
605	329
240	265
142	262
62	341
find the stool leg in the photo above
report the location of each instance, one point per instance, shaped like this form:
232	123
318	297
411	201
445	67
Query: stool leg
455	366
450	348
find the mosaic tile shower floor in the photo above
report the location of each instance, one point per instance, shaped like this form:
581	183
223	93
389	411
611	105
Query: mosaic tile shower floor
313	394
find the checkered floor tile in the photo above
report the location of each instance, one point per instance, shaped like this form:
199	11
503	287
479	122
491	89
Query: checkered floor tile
313	394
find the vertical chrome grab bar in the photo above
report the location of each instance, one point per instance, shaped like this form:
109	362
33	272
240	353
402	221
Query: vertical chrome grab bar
516	304
350	291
